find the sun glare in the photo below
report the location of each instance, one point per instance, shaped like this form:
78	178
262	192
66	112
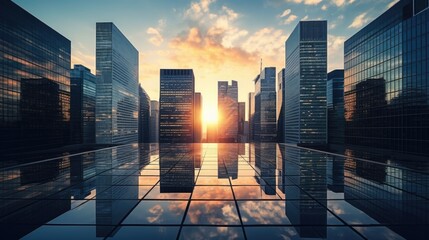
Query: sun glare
210	116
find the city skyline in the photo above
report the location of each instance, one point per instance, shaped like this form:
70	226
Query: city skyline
177	34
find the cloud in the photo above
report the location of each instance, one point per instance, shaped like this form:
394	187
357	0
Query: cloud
155	33
392	3
340	3
336	52
359	21
306	2
79	57
290	19
324	7
285	13
269	41
304	18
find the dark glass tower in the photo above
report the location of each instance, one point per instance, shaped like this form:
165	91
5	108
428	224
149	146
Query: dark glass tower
117	86
280	106
176	106
82	106
227	98
335	104
154	121
387	81
305	84
265	122
198	109
34	83
144	116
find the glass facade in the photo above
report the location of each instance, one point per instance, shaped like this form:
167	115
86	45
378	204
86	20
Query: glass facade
251	116
280	106
386	81
305	84
227	104
335	104
34	83
176	106
242	135
82	105
144	116
154	121
198	130
117	86
265	122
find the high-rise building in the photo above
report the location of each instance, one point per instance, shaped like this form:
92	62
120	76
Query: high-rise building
280	106
305	84
176	106
154	121
242	137
265	122
386	81
227	99
198	123
251	116
144	116
34	83
82	105
117	86
335	104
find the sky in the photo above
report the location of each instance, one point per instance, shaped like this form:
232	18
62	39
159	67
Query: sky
219	39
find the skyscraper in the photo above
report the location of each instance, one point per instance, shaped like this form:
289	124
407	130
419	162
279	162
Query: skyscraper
280	106
82	105
176	106
386	81
117	86
198	109
305	84
242	137
227	98
144	116
335	104
265	122
251	116
35	83
154	121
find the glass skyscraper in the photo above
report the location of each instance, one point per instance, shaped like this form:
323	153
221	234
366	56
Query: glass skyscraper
280	106
335	104
82	105
265	121
305	84
198	110
227	103
154	121
34	83
251	116
386	80
176	106
144	116
117	86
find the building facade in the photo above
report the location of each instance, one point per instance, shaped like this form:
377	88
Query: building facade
34	83
82	105
305	84
386	81
117	86
335	104
251	116
176	106
198	123
227	111
144	116
154	121
242	136
280	106
265	122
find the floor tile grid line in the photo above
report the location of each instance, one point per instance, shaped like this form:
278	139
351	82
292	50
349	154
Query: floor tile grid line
139	200
236	205
189	200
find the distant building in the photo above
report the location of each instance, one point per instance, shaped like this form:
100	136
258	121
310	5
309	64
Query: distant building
35	83
251	116
154	121
305	85
242	135
228	111
198	123
176	106
386	94
144	116
280	106
82	105
117	86
335	104
264	121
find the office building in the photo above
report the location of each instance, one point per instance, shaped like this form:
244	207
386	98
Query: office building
335	104
305	85
386	81
35	83
154	121
280	106
265	122
198	123
242	136
117	86
251	115
144	116
176	106
82	105
227	96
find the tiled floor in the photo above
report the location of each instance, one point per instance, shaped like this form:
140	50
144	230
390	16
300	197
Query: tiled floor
213	191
